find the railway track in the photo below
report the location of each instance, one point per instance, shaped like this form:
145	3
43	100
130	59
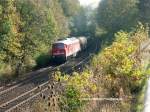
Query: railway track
26	90
32	92
16	93
20	80
27	84
36	75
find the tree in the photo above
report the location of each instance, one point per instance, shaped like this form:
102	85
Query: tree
114	15
70	7
27	30
40	26
121	62
144	8
10	37
79	23
61	20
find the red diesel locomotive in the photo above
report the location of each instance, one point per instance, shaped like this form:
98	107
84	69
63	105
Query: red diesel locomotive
68	47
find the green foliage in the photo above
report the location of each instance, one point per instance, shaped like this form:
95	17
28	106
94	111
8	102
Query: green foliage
80	81
10	38
121	62
83	23
144	7
27	29
73	99
78	86
61	20
70	7
43	60
1	9
81	19
114	15
5	71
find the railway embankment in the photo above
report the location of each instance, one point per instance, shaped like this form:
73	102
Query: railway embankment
112	81
107	81
16	96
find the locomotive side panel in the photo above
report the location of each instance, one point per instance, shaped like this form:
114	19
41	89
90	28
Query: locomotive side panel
73	47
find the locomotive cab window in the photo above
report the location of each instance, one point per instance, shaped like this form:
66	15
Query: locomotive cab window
58	46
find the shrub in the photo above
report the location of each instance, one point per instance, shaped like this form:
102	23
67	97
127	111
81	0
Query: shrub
43	60
122	62
77	87
6	71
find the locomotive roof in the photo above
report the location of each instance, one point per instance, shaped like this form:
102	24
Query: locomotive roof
67	41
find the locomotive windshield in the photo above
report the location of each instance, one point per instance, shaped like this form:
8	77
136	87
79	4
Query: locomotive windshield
58	46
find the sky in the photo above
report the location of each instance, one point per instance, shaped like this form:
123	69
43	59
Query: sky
93	3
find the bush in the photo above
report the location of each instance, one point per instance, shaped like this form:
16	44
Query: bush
43	60
72	99
121	62
6	71
77	87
